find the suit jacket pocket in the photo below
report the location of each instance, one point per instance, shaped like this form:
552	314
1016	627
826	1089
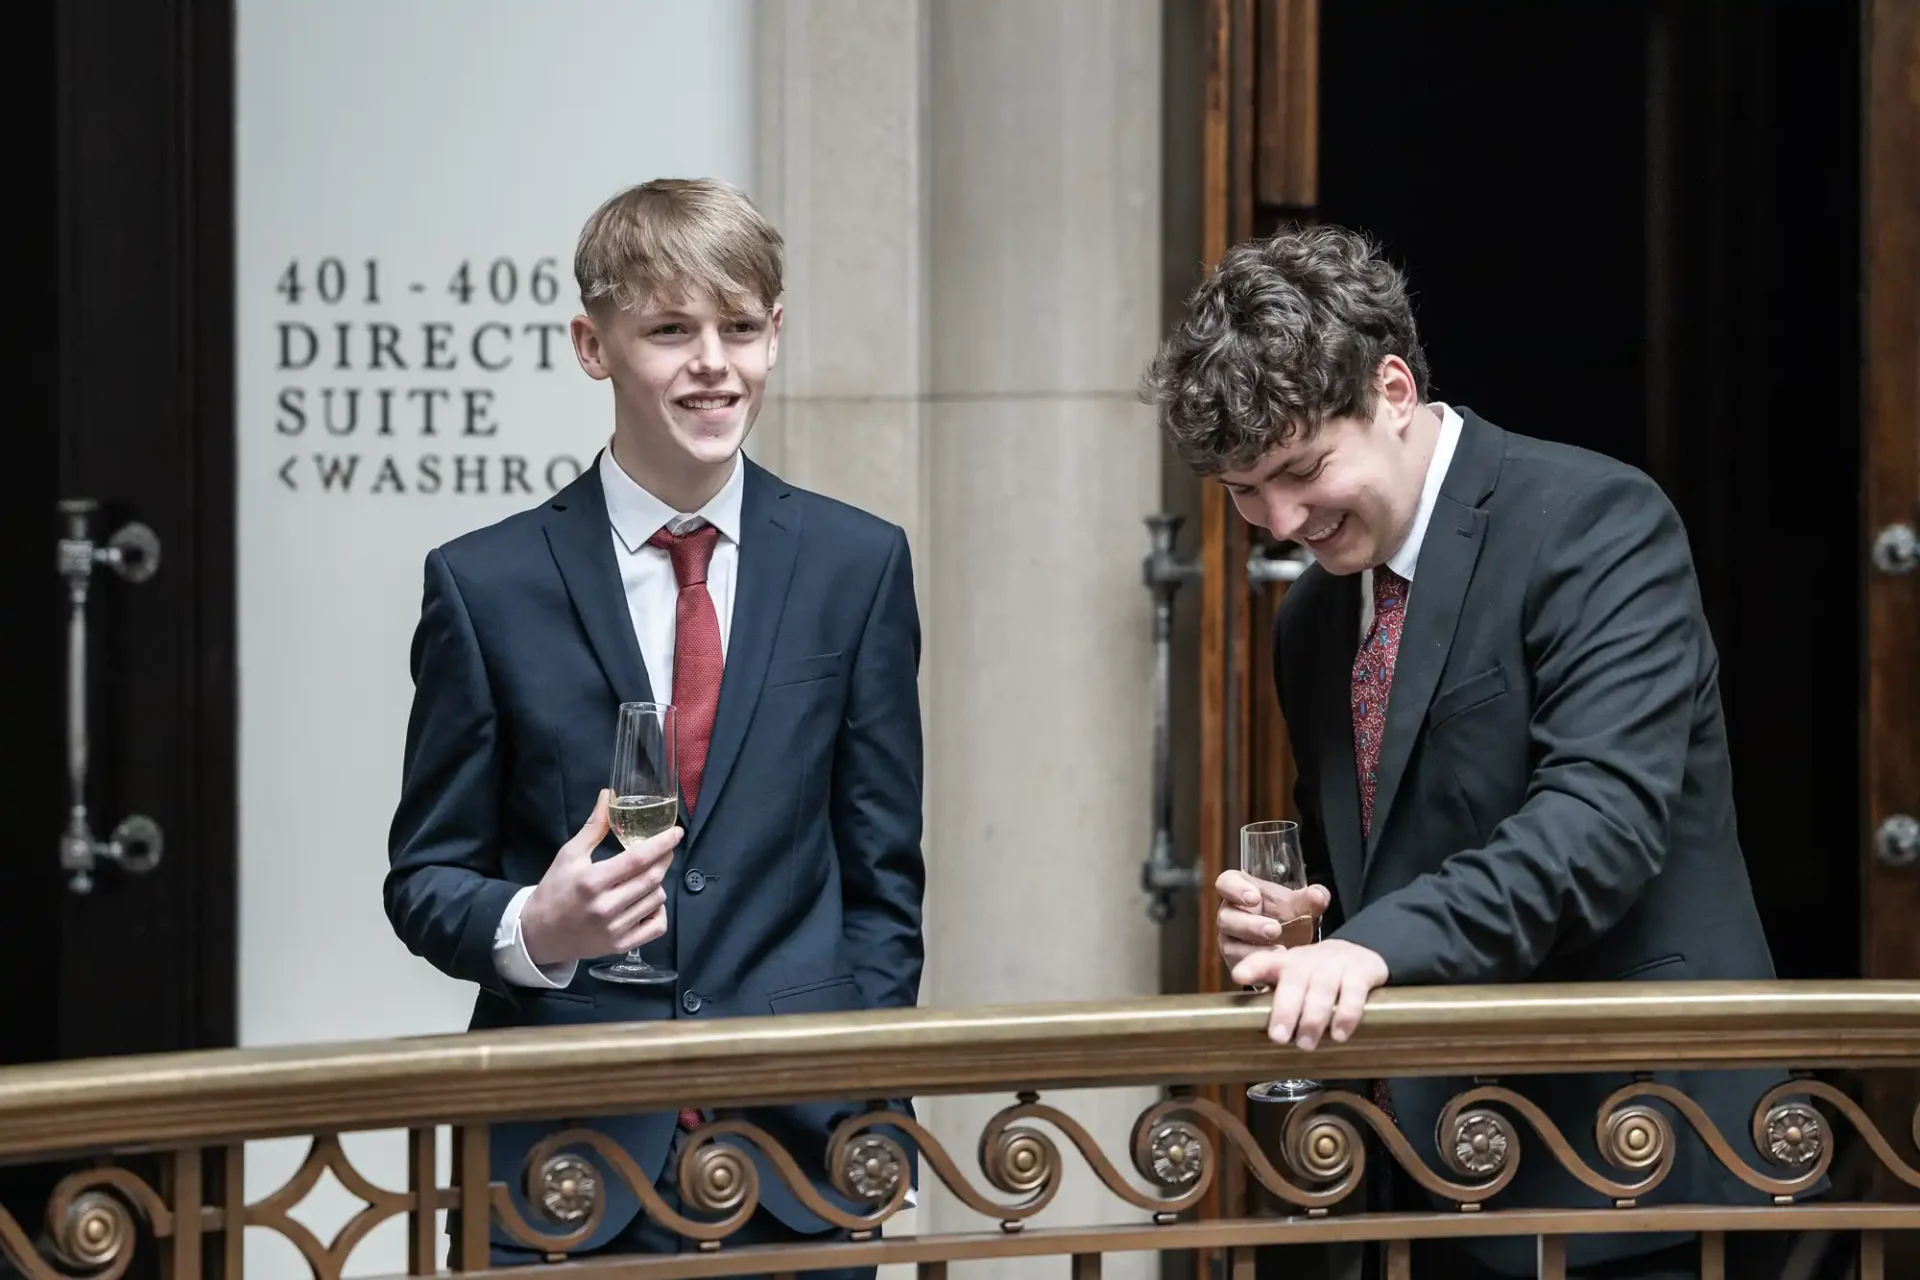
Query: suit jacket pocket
1652	969
533	1007
802	670
835	995
1466	695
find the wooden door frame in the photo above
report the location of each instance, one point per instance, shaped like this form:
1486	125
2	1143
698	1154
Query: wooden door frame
1259	151
1259	154
1890	466
1890	462
1226	217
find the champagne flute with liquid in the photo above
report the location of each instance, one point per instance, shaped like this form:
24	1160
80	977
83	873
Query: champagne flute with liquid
646	801
1270	852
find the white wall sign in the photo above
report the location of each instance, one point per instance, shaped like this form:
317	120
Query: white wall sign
403	405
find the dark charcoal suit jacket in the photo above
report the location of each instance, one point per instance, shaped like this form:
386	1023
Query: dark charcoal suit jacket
1553	800
797	888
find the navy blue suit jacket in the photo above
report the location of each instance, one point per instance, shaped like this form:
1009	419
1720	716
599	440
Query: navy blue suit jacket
797	888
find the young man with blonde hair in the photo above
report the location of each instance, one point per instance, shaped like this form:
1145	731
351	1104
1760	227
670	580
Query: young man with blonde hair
783	628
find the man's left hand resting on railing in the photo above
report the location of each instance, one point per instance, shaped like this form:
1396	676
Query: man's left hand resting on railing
1318	990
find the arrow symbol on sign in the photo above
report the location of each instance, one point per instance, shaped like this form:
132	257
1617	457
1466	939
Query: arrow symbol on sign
287	479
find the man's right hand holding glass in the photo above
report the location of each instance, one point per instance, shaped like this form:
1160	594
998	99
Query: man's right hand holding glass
584	908
1255	915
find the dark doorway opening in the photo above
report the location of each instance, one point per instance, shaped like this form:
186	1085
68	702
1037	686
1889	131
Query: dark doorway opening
1636	228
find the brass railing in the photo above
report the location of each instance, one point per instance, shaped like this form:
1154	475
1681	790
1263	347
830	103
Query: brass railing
158	1141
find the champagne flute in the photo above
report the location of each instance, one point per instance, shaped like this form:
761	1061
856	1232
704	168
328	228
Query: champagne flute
1270	853
646	801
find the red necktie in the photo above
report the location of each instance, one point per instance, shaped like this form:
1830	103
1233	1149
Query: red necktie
697	660
697	667
1372	682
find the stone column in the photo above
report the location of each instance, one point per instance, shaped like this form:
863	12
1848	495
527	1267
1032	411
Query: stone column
970	195
841	124
1045	253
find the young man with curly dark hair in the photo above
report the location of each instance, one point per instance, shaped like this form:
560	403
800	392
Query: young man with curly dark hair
1502	698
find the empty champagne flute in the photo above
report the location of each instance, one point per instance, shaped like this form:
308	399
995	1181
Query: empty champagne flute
646	801
1270	853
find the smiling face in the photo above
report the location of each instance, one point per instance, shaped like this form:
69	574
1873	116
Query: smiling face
688	378
1349	490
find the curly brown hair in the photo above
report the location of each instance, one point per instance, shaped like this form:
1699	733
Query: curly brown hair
1287	332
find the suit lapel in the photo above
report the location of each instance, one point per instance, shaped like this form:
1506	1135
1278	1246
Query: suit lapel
769	543
1455	533
1339	787
581	539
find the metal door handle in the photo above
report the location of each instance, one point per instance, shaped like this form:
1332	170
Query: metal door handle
1164	573
1896	843
133	552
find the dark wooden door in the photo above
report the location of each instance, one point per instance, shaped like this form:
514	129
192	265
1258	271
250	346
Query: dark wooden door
121	387
1890	484
127	402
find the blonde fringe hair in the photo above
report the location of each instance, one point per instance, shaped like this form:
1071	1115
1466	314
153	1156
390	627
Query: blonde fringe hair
679	238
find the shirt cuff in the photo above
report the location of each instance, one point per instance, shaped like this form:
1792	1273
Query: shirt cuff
510	956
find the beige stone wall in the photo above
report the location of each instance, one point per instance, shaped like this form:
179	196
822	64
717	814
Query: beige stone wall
970	193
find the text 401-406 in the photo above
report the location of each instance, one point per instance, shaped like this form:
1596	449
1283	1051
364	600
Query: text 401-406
428	474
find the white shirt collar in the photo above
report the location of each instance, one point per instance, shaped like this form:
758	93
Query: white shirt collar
1402	561
637	515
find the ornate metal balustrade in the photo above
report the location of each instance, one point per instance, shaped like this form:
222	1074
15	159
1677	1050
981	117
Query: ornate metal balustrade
188	1116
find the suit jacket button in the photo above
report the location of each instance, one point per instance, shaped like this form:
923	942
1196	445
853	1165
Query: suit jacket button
696	881
691	1001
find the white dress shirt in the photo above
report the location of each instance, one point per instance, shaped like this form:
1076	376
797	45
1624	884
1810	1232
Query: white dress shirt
653	595
1403	560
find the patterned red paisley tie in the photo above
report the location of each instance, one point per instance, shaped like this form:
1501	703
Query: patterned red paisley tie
1372	682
